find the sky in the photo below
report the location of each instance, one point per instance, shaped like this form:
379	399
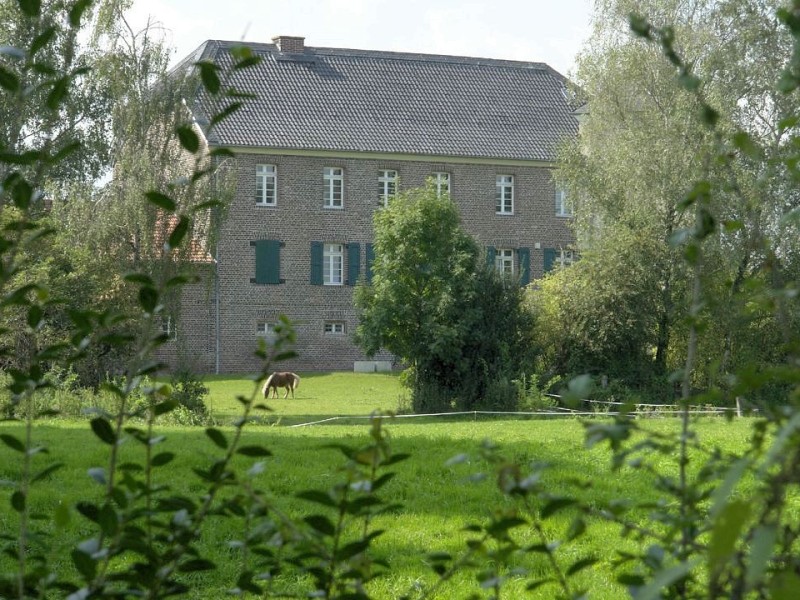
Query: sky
549	31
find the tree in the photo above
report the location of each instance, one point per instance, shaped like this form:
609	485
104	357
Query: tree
600	314
646	140
431	302
76	119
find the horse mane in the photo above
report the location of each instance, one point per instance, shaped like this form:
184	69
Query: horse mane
265	389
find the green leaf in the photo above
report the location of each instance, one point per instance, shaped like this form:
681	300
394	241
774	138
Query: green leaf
253	451
225	113
663	579
576	529
12	442
179	232
22	194
77	10
42	40
580	565
762	548
35	316
166	406
108	520
722	493
47	471
709	116
196	564
148	299
62	515
556	505
208	75
161	200
66	150
539	583
58	94
244	57
322	524
31	8
639	25
784	585
9	81
84	563
188	138
159	460
18	501
725	532
102	429
317	496
217	437
745	143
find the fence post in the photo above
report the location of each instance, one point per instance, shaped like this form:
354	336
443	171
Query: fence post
738	406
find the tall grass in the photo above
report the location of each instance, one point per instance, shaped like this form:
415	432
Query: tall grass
439	497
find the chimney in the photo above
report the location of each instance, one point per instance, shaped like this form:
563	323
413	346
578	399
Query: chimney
288	44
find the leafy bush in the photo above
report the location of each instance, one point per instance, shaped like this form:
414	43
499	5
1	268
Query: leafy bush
189	392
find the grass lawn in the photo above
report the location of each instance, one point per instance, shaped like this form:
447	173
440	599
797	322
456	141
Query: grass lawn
438	499
319	395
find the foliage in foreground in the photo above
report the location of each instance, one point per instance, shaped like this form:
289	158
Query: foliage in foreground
710	535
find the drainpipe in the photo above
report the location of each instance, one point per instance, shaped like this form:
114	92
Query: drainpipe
216	309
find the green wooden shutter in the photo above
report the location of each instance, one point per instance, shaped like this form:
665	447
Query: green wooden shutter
316	263
549	259
268	262
491	254
524	255
353	262
370	254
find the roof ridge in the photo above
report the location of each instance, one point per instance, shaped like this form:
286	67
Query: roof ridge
397	55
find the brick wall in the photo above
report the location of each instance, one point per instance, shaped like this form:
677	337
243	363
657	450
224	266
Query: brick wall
299	218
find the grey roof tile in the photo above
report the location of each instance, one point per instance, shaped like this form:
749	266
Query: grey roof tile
390	102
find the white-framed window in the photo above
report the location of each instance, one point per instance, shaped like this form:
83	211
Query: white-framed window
169	327
334	328
266	329
387	185
504	261
332	264
266	185
333	192
441	183
566	257
505	195
563	207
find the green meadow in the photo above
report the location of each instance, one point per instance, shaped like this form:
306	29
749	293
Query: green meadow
439	498
319	395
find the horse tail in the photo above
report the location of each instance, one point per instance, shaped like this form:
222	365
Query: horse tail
295	381
265	389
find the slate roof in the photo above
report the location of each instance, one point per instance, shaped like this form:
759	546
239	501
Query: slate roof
390	102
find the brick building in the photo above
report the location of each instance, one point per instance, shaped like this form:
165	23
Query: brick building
331	135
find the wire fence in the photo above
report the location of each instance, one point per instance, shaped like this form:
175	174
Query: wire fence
602	408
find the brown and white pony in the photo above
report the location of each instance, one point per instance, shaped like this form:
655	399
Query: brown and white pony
284	379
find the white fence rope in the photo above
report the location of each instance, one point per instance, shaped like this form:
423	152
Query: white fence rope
557	411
